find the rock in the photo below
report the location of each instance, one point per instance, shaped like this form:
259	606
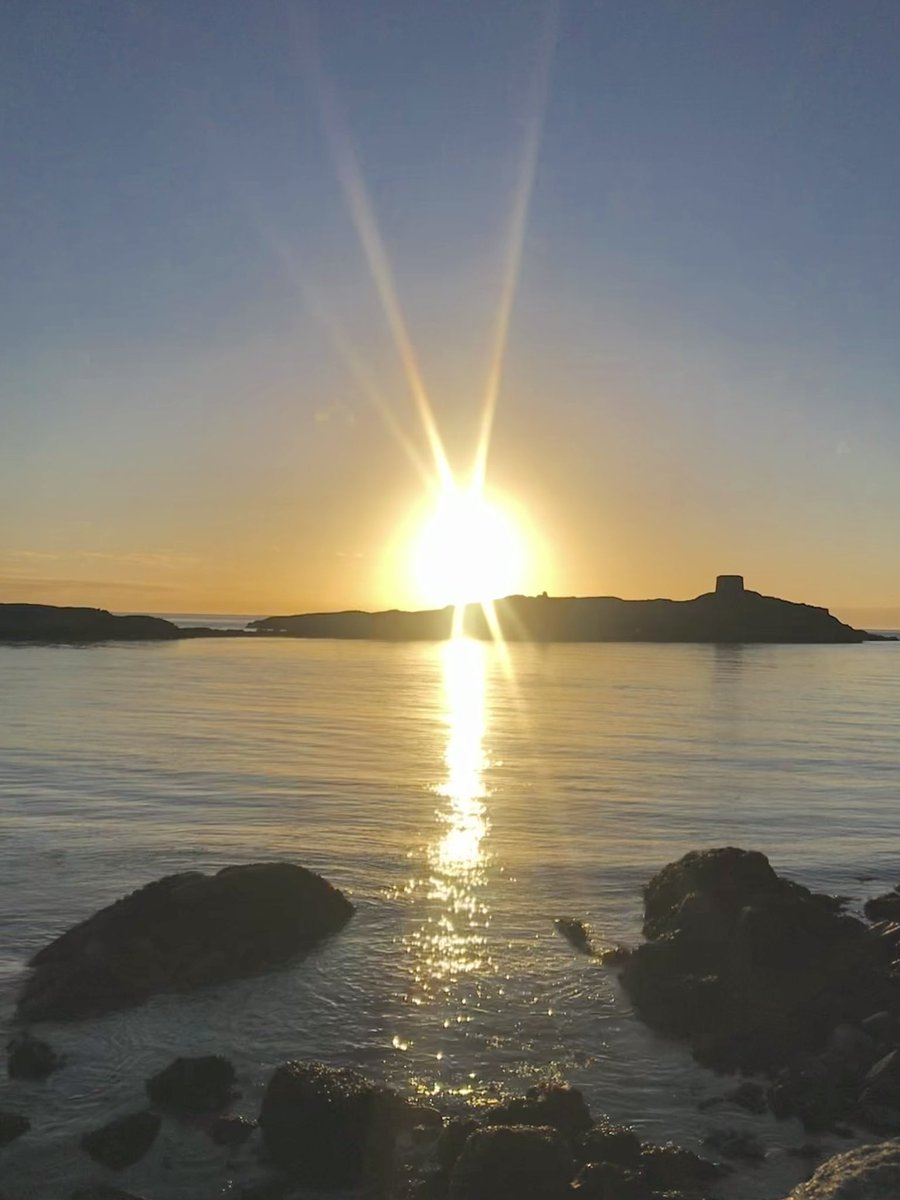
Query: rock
816	1090
12	1125
613	956
867	1173
749	1096
670	1167
879	1025
182	932
576	934
606	1181
28	1057
882	1083
733	1143
752	969
854	1045
879	1118
451	1140
329	1127
197	1084
883	908
231	1130
556	1105
609	1143
124	1141
513	1162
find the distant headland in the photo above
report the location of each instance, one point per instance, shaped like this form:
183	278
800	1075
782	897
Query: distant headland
731	614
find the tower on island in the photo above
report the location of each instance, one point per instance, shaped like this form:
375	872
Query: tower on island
729	585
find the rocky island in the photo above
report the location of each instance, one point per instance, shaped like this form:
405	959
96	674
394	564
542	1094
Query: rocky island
730	614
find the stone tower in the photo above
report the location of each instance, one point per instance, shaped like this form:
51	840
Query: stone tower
729	585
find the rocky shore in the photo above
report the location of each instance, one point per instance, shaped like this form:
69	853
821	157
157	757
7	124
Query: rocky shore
761	977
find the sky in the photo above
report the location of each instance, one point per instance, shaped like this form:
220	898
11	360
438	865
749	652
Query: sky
203	403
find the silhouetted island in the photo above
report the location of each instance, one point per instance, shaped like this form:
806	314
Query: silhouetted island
730	614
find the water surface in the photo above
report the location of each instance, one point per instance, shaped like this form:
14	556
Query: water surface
463	795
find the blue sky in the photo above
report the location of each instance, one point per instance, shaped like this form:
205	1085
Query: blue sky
702	371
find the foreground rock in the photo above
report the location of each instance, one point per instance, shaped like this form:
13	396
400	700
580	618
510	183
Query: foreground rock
12	1125
179	933
28	1057
513	1162
326	1128
868	1173
123	1141
330	1127
761	975
194	1084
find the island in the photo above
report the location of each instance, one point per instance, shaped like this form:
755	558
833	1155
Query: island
732	614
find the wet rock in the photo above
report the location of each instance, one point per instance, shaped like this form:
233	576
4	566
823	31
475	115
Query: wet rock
557	1105
12	1125
734	1143
606	1181
124	1141
609	1143
576	934
329	1127
231	1130
671	1167
816	1090
880	1025
883	908
613	956
867	1173
749	1096
882	1083
451	1140
194	1084
752	969
879	1118
28	1057
518	1162
179	933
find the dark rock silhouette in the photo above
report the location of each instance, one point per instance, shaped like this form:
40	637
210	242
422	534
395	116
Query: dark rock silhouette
102	1191
179	933
330	1127
194	1084
575	932
513	1162
28	1057
760	974
555	1105
12	1125
47	623
883	908
731	614
124	1141
231	1130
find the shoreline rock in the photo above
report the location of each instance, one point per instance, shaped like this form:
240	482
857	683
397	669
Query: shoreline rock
179	933
760	975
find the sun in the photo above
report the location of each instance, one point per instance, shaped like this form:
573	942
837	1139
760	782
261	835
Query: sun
468	549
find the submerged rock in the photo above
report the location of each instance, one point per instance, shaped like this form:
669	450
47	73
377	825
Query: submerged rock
28	1057
867	1173
513	1162
12	1125
194	1084
179	933
330	1127
124	1141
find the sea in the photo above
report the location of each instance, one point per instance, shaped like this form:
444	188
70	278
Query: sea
463	795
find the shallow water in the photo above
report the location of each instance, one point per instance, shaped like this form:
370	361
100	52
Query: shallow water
463	796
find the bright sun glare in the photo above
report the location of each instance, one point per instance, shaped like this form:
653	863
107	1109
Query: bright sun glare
467	550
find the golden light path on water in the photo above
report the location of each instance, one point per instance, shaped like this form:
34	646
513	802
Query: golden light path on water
450	945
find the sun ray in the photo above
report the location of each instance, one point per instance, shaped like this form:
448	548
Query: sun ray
362	214
516	237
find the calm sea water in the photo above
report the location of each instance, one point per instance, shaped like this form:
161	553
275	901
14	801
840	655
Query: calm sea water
463	797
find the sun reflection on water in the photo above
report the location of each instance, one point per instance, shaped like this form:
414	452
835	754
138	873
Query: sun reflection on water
448	951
